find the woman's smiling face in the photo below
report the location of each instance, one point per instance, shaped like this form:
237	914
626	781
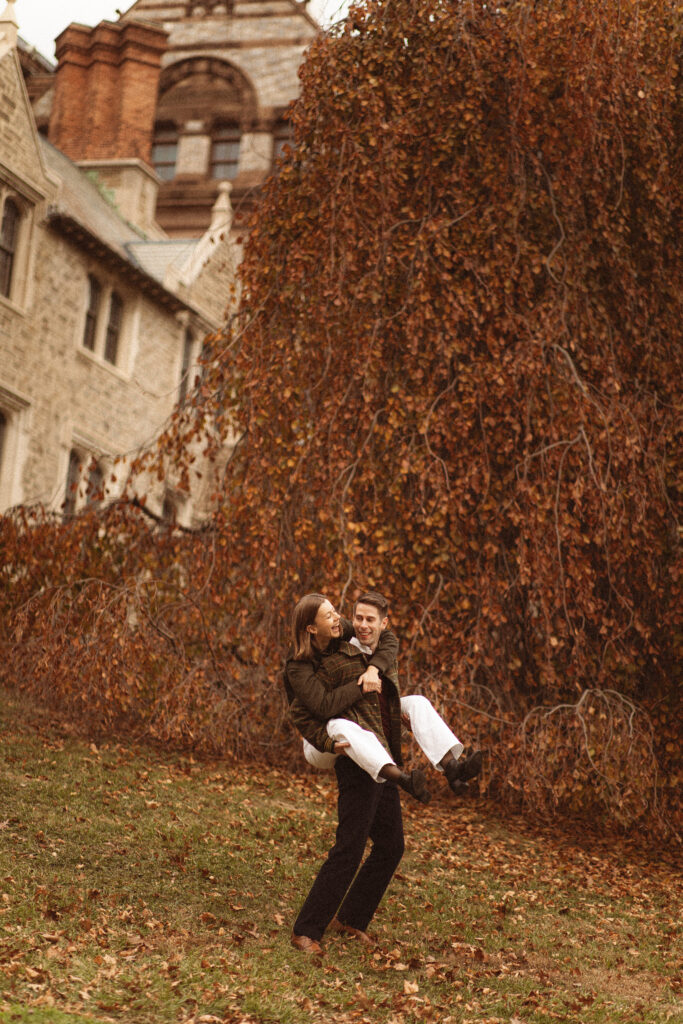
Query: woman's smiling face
327	624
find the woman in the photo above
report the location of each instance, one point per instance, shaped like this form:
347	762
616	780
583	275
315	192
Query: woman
315	625
317	630
325	674
345	894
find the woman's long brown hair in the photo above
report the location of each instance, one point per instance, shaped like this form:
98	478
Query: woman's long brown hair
304	616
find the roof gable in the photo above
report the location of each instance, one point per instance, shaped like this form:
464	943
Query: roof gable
21	160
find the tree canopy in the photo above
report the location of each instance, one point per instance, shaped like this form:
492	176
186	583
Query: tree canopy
455	376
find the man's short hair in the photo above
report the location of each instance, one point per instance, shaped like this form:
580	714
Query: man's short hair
376	600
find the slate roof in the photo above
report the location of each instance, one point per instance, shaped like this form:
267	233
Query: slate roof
157	257
80	197
84	213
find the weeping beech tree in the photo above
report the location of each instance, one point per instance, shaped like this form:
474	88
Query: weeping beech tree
454	377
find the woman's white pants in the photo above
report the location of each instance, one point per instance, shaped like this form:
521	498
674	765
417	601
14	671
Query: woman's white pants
427	726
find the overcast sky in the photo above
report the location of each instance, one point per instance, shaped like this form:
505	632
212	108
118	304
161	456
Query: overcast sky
41	21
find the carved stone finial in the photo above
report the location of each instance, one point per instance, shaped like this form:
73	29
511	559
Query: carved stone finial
9	29
221	213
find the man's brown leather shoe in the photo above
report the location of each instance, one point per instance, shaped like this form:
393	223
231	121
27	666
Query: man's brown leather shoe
306	945
337	926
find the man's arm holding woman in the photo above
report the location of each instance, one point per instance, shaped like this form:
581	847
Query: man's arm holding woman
312	703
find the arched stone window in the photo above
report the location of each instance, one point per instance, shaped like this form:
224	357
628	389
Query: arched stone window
200	8
196	88
107	320
9	237
205	106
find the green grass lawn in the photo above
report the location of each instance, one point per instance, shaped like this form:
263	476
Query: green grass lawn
143	887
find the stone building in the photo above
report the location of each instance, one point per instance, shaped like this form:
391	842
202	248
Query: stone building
120	169
102	315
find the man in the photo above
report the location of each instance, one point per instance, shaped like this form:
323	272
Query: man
368	807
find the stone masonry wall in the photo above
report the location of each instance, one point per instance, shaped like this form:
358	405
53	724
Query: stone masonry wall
77	399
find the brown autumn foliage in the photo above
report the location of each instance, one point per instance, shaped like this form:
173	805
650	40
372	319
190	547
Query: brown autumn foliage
455	376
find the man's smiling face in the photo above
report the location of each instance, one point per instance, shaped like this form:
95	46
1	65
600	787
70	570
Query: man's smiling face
368	624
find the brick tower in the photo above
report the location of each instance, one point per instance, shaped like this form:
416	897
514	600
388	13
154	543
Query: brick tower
181	96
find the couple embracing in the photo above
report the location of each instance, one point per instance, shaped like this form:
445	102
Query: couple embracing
342	686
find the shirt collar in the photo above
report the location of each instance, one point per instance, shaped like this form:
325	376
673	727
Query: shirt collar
355	642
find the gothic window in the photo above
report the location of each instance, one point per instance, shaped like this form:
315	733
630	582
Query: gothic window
211	105
73	479
13	428
188	344
95	491
168	510
92	313
165	152
111	343
105	321
9	235
225	152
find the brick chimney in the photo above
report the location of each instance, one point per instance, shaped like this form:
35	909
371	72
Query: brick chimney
104	107
106	91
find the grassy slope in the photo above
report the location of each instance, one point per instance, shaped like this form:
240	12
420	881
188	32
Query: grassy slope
142	887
